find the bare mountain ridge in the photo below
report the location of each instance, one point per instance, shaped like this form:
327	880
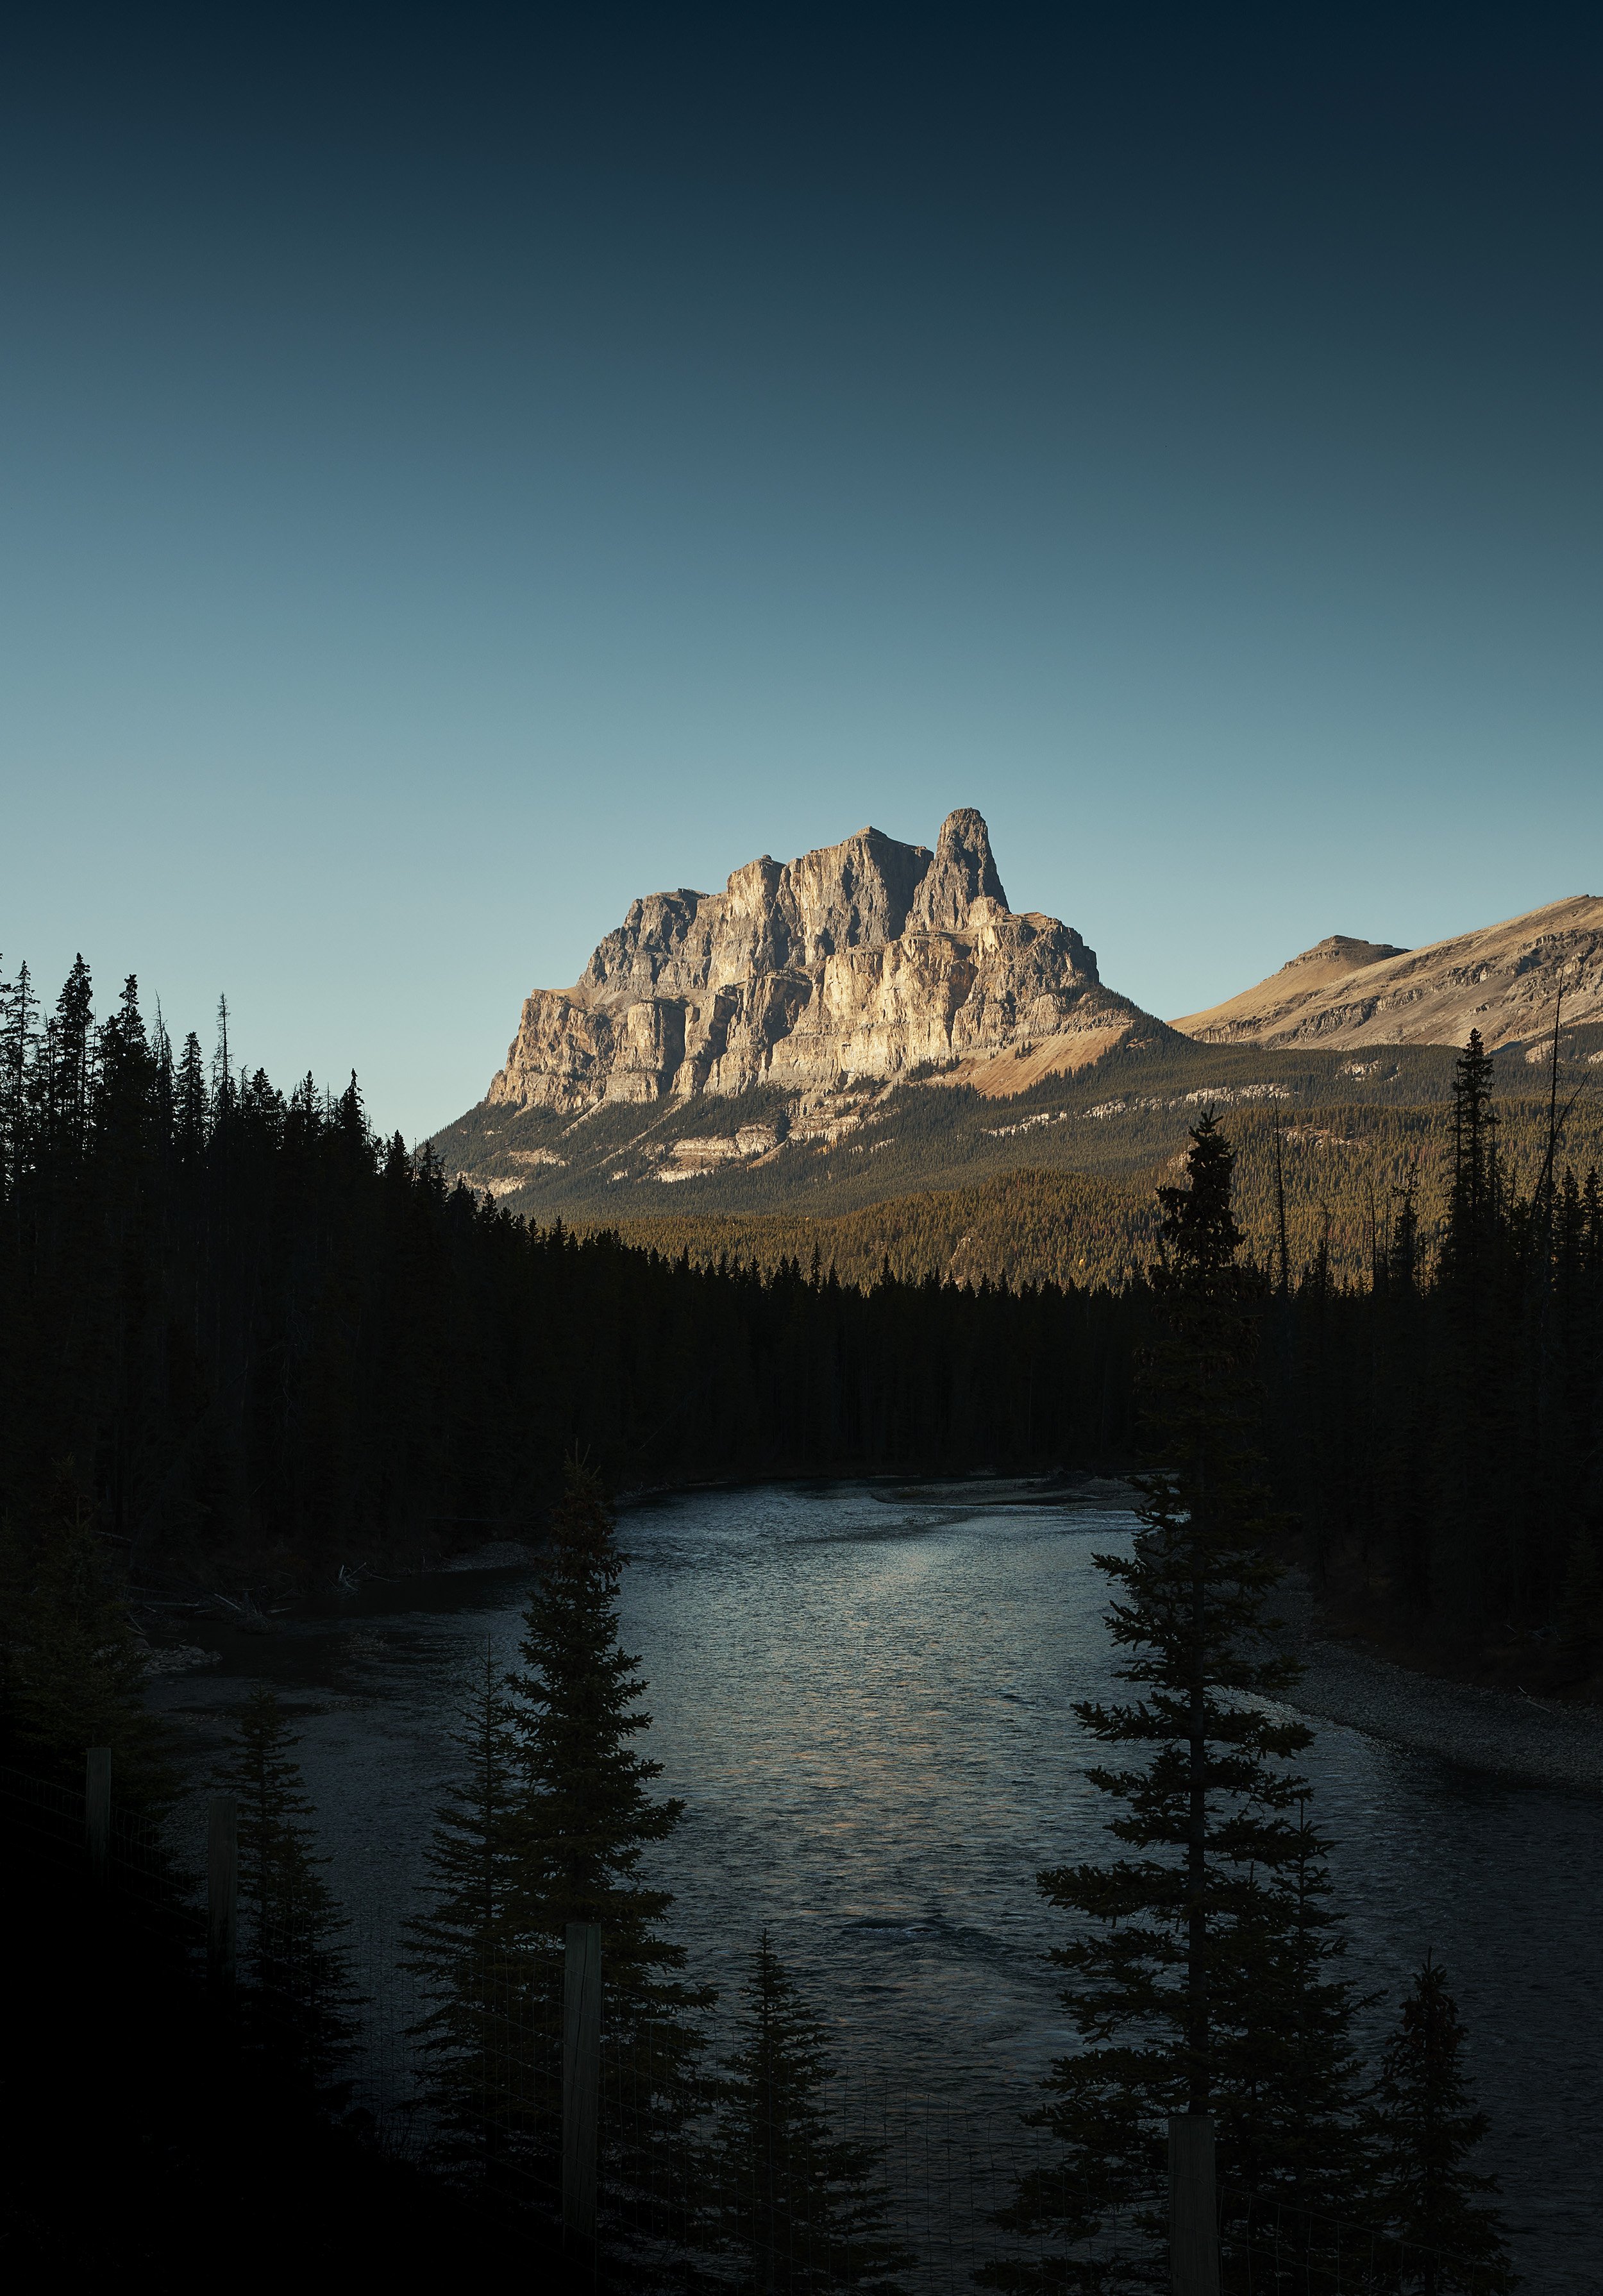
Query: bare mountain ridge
1503	980
859	961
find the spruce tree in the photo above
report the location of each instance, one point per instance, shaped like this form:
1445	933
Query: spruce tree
1424	2128
296	1962
469	1951
124	1083
224	1092
18	1044
71	1061
1291	2080
1182	1945
1475	1203
582	1822
1482	1368
799	2206
192	1104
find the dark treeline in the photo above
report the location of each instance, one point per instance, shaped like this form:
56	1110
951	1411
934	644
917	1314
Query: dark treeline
1439	1428
256	1330
261	1336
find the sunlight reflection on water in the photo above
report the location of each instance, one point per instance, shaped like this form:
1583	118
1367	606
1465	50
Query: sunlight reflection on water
865	1702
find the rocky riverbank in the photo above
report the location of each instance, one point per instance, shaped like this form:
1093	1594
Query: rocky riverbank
1511	1734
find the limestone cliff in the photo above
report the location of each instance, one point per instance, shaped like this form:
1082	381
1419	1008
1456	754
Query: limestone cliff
860	960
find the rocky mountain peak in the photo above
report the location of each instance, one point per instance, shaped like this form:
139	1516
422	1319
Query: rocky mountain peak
1341	951
866	958
961	872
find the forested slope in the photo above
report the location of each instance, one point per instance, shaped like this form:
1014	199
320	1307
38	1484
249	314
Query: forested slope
914	1169
248	1337
1342	1174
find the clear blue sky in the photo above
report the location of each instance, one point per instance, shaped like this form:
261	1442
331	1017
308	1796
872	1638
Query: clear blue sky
462	469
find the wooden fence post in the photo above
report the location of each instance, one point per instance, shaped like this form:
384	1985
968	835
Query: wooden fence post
97	1812
222	1895
1193	2208
581	2081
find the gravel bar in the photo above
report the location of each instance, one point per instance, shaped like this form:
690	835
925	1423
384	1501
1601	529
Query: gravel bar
1533	1739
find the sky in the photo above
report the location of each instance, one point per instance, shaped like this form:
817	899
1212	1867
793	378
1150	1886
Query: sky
462	469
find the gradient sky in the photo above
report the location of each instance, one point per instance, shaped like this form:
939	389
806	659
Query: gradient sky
461	469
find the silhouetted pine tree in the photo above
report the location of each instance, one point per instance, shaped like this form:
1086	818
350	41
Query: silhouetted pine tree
472	1953
1216	1911
294	1960
796	2204
124	1101
191	1101
72	1051
18	1041
224	1090
1477	1201
585	1822
1424	2128
1291	2082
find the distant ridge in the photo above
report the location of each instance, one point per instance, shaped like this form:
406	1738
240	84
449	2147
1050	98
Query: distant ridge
1503	980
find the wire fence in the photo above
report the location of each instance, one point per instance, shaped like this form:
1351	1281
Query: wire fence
869	2187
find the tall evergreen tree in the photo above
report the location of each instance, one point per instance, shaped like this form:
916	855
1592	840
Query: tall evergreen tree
192	1110
224	1092
72	1045
1181	1942
124	1106
17	1042
799	2206
296	1959
586	1820
1477	1202
1291	2078
1425	2128
472	1953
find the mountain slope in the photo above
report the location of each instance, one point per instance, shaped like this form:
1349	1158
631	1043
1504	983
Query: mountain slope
1342	1168
1503	980
758	1153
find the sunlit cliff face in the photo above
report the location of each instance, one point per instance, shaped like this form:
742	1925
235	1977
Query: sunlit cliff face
859	960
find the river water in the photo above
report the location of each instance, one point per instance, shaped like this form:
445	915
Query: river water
862	1695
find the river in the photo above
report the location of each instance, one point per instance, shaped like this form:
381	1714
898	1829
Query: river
862	1695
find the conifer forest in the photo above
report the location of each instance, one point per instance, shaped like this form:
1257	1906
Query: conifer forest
246	1344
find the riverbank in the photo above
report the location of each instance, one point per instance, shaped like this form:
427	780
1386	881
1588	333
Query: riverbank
1508	1734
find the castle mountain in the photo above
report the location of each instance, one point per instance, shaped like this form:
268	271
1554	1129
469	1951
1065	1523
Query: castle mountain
865	1051
863	959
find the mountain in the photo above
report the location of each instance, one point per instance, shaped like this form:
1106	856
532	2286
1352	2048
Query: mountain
863	959
867	1053
1503	980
